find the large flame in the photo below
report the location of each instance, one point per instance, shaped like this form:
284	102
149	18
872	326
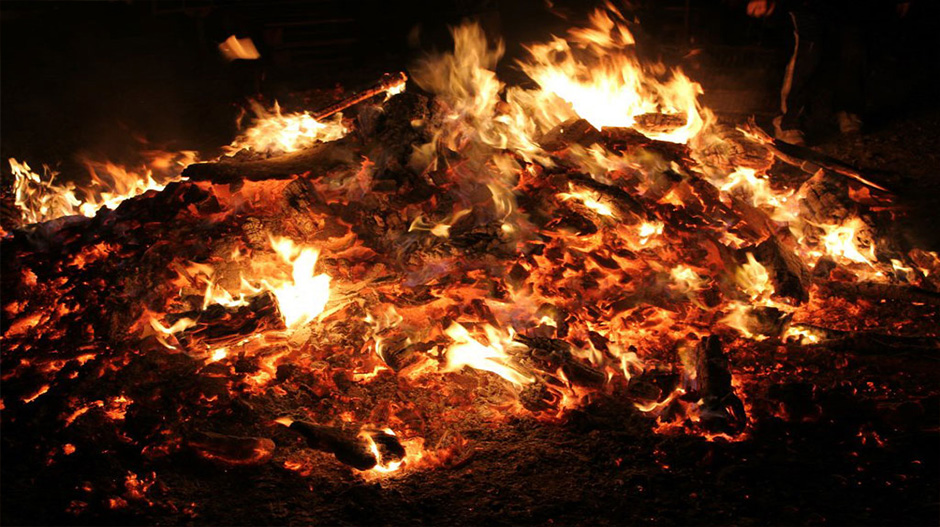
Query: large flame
596	71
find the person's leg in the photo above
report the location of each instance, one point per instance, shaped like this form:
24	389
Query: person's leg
849	100
808	31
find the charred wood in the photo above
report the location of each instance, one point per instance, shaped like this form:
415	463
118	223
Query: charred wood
869	342
231	450
708	378
824	199
551	354
350	447
790	276
218	324
628	139
727	149
624	199
659	123
573	131
879	291
317	160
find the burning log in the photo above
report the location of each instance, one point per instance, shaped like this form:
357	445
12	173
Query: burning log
879	291
659	123
363	450
231	450
749	222
808	160
553	354
707	377
863	342
790	276
319	159
219	324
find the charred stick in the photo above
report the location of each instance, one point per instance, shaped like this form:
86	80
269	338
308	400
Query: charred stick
809	160
389	82
231	450
552	354
352	448
868	342
709	379
899	293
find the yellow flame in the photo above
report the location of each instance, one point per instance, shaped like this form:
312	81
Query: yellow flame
648	230
382	465
685	279
441	229
760	193
275	133
842	241
802	335
468	351
588	199
303	298
301	294
753	279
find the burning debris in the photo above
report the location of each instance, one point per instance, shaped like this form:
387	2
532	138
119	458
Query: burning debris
436	259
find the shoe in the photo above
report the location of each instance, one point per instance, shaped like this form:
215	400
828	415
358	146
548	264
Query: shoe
849	123
794	136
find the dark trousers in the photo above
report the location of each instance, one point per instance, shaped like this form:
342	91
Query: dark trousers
825	44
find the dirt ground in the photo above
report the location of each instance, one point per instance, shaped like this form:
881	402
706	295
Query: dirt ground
859	448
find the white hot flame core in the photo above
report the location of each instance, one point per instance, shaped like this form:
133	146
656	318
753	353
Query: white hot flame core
468	351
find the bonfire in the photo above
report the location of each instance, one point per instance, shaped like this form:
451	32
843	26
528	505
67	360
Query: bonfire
352	287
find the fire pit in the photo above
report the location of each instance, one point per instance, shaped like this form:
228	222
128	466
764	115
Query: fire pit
444	299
